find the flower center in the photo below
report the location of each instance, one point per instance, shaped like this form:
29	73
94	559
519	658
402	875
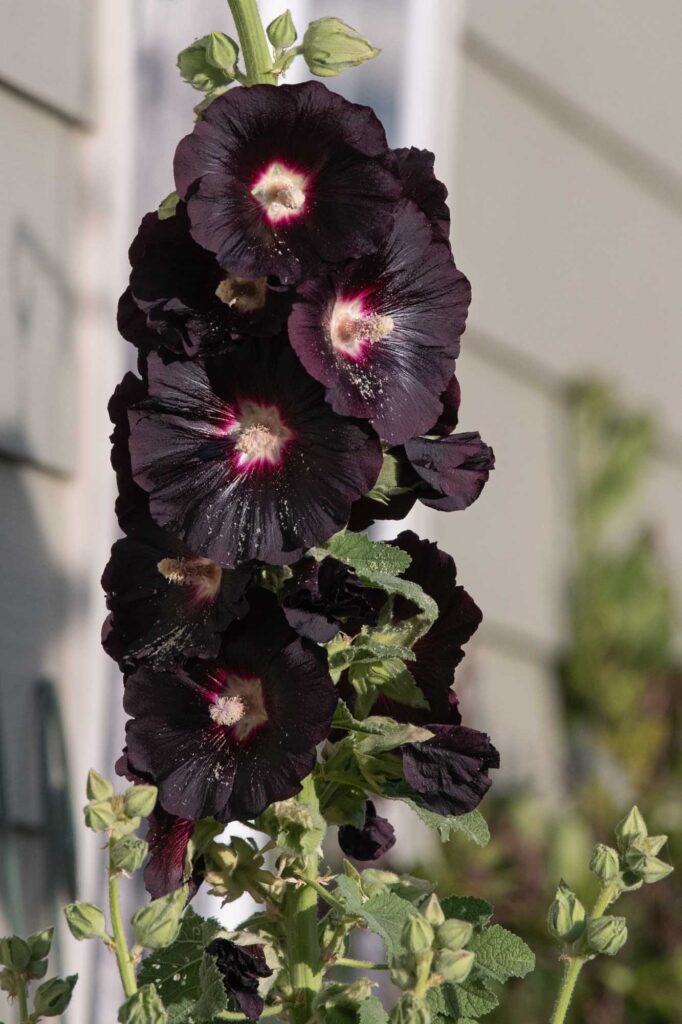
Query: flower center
281	192
353	330
262	435
243	294
201	574
240	705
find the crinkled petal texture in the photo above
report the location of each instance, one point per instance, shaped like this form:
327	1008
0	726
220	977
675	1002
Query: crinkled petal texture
373	840
166	603
322	597
454	468
449	773
244	459
383	333
241	967
421	185
188	300
225	739
285	180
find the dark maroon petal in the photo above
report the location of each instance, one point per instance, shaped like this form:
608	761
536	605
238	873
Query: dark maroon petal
320	597
420	184
132	502
133	326
241	967
191	450
187	300
449	773
373	840
208	764
328	153
167	604
455	468
382	334
448	419
165	871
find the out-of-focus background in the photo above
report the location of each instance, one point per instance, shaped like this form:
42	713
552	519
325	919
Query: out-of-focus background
556	126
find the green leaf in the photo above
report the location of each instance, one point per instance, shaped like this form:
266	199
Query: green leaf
390	678
472	825
168	206
176	970
372	1012
385	915
213	997
366	556
502	954
468	908
388	734
468	1001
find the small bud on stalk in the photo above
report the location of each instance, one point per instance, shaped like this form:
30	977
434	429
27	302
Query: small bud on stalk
606	935
566	915
330	47
605	863
53	996
85	921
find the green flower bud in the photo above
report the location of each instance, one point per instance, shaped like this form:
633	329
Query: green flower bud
15	953
645	867
401	974
99	815
40	943
157	924
97	787
606	935
144	1007
417	935
605	863
330	47
452	966
432	911
281	31
36	970
632	827
566	915
453	934
139	801
652	844
374	881
53	996
209	62
85	921
411	1010
128	854
124	827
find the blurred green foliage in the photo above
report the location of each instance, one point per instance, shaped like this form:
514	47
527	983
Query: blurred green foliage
620	680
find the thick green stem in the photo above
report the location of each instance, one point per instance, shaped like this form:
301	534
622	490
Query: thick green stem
574	964
268	1011
253	41
304	955
123	958
367	965
22	999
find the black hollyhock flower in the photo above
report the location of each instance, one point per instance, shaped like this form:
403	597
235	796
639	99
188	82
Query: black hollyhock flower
373	840
243	459
132	502
421	185
133	325
449	417
225	739
241	968
382	333
449	772
166	603
322	597
285	180
166	869
446	473
190	304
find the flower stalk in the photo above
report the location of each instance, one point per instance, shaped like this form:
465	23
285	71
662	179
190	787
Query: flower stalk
254	44
303	941
123	957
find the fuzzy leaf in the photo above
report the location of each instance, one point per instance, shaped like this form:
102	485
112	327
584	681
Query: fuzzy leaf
372	1012
472	825
366	556
470	1000
213	997
502	954
176	970
385	915
467	908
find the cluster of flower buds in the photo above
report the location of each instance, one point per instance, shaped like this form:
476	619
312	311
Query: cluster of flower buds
634	863
23	962
297	314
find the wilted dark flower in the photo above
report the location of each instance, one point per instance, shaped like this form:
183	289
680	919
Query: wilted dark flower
373	840
286	180
225	739
166	603
243	459
382	333
448	773
241	967
446	473
190	304
167	870
421	185
320	597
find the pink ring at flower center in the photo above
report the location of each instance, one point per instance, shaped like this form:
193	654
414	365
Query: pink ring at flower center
261	435
353	330
281	192
239	704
